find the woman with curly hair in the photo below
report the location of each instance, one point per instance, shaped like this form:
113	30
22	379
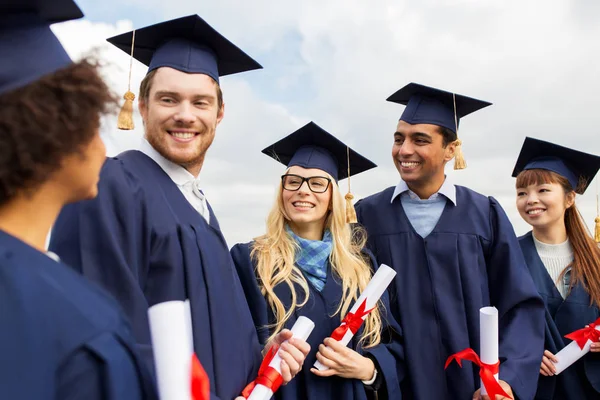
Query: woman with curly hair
60	337
563	259
311	263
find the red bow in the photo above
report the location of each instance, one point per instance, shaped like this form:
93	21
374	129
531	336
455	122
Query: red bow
486	371
267	376
199	381
351	322
581	336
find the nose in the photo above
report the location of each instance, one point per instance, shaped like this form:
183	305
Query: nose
532	198
185	113
406	148
304	189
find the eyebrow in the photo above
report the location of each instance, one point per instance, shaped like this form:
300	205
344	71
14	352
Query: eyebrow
177	95
416	134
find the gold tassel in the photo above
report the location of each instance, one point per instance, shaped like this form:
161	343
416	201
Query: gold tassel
459	159
350	211
125	119
597	220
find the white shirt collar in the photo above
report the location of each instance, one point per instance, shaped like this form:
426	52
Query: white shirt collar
447	189
177	173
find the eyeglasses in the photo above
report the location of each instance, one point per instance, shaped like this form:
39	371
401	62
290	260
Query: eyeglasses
316	184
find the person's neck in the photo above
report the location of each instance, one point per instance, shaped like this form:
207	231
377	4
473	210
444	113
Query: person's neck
309	231
195	168
555	234
426	189
30	218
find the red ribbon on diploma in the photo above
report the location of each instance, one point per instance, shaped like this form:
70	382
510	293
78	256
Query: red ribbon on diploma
486	371
581	336
351	322
267	376
200	384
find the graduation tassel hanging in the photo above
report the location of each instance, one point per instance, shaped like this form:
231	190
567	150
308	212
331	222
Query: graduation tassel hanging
125	119
597	220
350	211
459	159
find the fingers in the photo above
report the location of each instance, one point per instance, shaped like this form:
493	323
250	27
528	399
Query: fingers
293	365
326	373
327	357
550	356
335	345
595	347
286	374
546	367
477	395
282	336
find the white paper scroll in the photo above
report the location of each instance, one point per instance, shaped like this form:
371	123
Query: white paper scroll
372	293
170	329
488	338
571	353
301	329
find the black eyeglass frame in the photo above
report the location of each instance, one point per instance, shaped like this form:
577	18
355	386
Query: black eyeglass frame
307	180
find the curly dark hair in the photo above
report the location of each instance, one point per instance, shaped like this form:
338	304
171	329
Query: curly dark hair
45	121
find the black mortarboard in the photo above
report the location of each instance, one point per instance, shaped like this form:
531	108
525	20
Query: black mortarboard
187	44
28	48
578	167
313	147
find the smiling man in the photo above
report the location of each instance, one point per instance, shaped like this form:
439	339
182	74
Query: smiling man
455	251
151	235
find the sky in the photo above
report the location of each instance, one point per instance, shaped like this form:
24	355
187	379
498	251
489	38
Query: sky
335	62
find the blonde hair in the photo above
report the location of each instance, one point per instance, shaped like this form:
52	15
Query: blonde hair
274	255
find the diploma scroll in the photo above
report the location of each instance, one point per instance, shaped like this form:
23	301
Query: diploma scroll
488	338
302	330
172	348
365	303
580	346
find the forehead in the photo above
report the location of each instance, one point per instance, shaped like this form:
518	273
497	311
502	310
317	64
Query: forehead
306	172
407	129
172	80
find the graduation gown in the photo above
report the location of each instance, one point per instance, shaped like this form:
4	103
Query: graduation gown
61	337
563	316
470	260
319	308
141	240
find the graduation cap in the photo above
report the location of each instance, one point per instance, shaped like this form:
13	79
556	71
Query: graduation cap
26	38
187	44
313	147
577	167
427	105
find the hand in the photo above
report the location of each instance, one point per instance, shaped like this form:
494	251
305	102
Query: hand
240	398
503	384
343	361
292	353
595	347
548	361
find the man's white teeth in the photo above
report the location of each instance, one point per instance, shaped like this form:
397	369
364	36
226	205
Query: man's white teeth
183	135
409	164
535	212
302	204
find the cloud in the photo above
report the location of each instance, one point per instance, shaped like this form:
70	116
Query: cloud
336	61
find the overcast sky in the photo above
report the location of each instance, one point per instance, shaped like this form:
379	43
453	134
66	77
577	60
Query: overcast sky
336	61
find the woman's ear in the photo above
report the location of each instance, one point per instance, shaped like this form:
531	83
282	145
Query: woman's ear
570	199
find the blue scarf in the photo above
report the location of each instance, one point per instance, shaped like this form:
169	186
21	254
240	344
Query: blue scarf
312	257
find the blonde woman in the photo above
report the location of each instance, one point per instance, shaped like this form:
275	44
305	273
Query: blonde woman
311	263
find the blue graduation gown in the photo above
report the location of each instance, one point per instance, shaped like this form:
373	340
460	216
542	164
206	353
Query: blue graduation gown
470	260
563	316
60	336
320	307
141	240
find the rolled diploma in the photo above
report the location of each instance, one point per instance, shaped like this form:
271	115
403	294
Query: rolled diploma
571	353
373	292
301	329
488	338
172	347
